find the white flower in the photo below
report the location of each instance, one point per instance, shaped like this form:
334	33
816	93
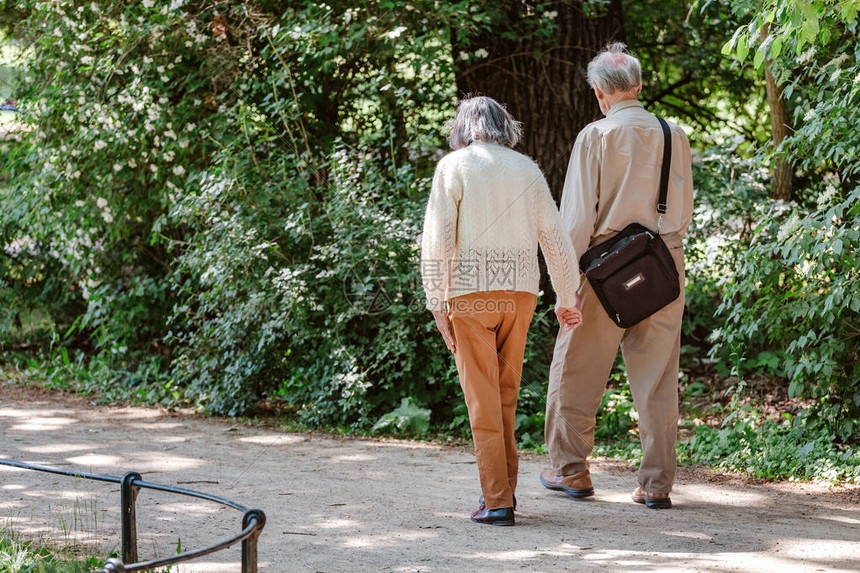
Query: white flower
153	167
117	167
857	79
164	79
160	69
148	3
101	202
788	228
79	203
189	44
395	33
806	56
834	77
107	216
168	155
76	174
58	33
183	143
100	144
481	53
837	61
178	170
811	114
147	60
825	196
464	56
132	162
550	15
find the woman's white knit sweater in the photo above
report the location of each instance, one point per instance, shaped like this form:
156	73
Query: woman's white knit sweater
489	208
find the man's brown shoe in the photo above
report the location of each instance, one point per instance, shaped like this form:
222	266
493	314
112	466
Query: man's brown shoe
652	500
576	485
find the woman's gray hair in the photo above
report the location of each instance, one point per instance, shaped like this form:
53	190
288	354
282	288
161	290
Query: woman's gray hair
481	118
615	70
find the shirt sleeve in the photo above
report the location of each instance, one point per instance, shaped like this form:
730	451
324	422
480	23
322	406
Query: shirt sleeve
687	214
439	239
557	249
579	197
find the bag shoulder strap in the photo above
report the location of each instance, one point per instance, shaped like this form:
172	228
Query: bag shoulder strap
664	168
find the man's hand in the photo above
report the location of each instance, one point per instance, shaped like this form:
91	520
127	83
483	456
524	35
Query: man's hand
444	327
571	317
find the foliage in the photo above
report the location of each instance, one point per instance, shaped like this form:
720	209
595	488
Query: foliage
408	417
795	290
795	448
24	557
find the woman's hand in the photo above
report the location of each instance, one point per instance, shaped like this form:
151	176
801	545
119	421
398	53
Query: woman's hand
571	317
444	327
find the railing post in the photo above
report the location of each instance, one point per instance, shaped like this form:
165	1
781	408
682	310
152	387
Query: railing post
249	545
128	495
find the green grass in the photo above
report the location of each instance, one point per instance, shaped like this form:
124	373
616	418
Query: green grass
26	557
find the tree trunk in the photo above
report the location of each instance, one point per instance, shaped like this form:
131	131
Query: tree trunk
543	82
782	171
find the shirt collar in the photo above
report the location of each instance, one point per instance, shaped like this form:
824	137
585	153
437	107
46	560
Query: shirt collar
626	104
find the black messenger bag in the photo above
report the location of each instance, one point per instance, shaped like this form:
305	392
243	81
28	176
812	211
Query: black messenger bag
633	273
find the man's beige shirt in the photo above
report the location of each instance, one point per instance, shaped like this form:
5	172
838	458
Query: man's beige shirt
613	177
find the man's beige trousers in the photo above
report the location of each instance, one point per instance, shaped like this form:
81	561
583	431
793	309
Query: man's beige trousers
490	331
581	364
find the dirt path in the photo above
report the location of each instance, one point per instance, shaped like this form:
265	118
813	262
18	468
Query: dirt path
389	506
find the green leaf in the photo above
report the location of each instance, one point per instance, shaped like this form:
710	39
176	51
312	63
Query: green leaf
776	47
758	60
743	48
837	246
727	47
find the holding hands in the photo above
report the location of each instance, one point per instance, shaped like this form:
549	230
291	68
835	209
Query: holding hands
571	317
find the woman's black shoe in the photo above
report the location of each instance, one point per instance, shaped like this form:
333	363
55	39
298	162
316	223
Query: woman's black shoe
503	516
482	506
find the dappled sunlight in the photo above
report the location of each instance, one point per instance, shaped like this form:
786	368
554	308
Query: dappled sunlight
136	414
273	439
843	519
42	424
798	547
27	413
689	535
96	460
516	555
337	523
58	448
162	461
171	439
178	510
13	487
352	458
385	540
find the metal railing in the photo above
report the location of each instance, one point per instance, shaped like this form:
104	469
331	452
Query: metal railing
253	521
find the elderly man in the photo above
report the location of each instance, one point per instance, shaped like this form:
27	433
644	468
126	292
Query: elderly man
612	181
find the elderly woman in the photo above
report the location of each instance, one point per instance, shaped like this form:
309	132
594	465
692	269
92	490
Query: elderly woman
489	209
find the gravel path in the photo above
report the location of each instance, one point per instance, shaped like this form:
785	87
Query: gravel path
342	504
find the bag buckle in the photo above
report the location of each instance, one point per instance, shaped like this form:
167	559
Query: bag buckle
659	224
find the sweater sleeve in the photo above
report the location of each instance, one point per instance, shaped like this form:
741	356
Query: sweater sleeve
439	239
557	249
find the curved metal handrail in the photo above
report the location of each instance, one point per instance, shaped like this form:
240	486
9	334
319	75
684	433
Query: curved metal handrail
253	521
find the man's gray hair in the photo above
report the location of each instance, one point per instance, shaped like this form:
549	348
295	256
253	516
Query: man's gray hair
481	118
614	70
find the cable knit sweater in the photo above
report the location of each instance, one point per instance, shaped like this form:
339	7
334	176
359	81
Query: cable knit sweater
489	209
